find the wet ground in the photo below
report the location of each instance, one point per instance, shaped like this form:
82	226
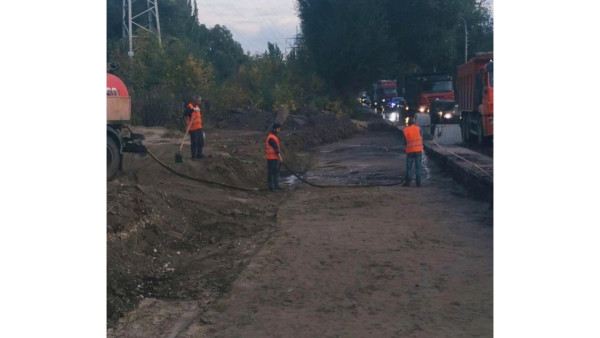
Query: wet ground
361	261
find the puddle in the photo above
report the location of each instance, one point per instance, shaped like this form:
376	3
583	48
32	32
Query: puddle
289	180
425	166
353	177
373	161
325	176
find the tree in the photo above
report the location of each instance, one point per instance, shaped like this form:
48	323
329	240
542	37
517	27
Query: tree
351	43
346	41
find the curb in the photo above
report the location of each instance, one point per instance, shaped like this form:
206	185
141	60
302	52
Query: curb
468	173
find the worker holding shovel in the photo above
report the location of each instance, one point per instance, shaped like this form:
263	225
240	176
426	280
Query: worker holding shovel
193	119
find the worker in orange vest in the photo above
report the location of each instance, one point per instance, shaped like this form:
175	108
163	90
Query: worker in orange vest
193	121
274	158
413	137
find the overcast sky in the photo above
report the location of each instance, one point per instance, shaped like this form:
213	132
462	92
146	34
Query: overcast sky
253	23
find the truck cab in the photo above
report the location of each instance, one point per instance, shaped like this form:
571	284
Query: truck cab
383	91
423	89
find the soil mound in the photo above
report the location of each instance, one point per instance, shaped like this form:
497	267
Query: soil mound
173	238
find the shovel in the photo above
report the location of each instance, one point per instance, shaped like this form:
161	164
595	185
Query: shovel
178	157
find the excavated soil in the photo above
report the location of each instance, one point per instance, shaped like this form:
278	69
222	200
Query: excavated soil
175	238
187	259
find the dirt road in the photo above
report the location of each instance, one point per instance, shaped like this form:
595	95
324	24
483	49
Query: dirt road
353	262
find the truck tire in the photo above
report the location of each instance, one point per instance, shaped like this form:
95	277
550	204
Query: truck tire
113	158
464	128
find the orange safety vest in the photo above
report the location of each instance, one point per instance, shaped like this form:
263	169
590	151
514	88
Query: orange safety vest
196	119
414	142
270	152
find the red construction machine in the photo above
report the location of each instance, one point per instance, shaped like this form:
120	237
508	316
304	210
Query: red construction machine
119	138
475	89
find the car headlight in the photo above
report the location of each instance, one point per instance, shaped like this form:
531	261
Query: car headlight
422	109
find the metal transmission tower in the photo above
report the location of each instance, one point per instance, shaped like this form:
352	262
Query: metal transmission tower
129	20
289	45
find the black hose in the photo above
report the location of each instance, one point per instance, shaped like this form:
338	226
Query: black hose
199	179
262	189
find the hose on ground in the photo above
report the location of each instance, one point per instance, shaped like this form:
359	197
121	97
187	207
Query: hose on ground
195	178
262	189
199	179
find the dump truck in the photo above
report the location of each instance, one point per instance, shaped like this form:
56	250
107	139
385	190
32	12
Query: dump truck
119	138
475	91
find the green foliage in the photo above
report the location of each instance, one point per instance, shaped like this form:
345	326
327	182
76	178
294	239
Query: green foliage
160	81
345	46
270	80
347	41
229	96
194	60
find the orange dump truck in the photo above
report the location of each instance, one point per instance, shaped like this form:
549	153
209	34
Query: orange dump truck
475	95
118	115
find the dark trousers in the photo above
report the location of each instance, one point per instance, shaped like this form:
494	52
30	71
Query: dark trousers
273	174
197	143
415	158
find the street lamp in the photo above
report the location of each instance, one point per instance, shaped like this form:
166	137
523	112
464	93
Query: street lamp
466	39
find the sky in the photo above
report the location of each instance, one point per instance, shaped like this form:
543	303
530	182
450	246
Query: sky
253	23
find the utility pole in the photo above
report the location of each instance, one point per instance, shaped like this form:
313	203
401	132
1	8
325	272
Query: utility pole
466	39
290	46
129	20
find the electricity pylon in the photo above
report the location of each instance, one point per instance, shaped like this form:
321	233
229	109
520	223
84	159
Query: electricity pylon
130	19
